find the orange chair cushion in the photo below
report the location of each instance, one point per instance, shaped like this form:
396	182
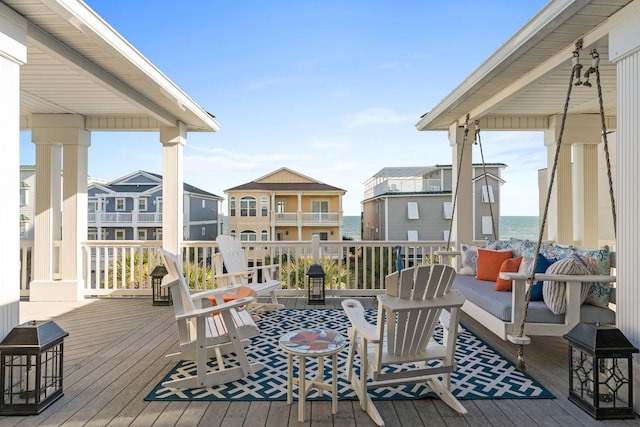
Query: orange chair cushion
489	263
510	265
241	293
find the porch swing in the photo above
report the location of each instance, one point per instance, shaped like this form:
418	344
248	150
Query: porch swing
522	282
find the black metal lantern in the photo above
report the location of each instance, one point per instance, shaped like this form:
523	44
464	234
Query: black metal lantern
161	296
31	371
600	371
316	284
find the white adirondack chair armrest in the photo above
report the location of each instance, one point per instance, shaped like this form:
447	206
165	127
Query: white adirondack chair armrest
447	253
264	267
215	309
355	312
213	292
237	274
451	299
559	277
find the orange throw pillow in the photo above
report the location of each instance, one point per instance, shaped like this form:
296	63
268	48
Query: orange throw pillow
489	263
510	265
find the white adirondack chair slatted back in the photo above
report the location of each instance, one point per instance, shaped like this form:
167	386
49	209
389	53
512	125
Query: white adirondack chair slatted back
409	329
235	259
183	303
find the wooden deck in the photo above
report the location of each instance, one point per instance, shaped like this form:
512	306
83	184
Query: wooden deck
114	355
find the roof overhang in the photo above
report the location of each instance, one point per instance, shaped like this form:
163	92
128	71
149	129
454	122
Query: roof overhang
78	64
525	81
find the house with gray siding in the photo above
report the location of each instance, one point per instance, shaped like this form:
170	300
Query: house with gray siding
130	208
415	203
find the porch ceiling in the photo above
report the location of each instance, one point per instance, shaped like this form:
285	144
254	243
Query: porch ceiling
526	80
77	64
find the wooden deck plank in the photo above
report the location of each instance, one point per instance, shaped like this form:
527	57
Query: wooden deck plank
115	352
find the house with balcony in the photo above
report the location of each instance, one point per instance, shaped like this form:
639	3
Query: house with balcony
285	205
416	203
130	208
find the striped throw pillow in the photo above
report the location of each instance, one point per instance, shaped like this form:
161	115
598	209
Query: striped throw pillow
554	293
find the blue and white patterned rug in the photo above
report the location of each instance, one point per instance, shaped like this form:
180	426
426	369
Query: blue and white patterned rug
482	372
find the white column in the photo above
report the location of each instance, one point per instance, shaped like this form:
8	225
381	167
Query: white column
624	51
173	141
74	195
559	225
585	195
57	245
13	53
462	230
46	224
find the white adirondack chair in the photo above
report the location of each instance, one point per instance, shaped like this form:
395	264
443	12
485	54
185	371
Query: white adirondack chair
403	334
205	331
239	273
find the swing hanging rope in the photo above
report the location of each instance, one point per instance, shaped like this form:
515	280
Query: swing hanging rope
573	81
486	180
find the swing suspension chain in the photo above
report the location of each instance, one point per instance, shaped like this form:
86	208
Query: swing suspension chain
595	67
486	179
455	195
575	71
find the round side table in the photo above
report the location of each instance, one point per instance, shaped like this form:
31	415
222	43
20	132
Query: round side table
313	342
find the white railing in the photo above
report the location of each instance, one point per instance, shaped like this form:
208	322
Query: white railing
307	218
351	267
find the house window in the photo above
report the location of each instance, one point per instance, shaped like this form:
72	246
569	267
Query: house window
158	233
323	235
232	206
248	206
92	234
204	203
142	204
487	194
448	210
159	205
264	206
412	210
92	206
264	235
204	231
23	193
446	235
412	235
24	229
142	234
120	234
232	233
120	203
320	209
105	234
280	207
487	225
248	236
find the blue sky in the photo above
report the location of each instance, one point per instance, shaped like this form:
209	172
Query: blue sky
331	89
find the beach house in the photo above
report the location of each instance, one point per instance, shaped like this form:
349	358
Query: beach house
415	203
285	205
130	208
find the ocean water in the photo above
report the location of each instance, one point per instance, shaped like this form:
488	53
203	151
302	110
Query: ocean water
519	227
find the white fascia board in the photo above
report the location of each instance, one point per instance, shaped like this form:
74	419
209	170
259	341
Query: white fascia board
554	13
97	29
